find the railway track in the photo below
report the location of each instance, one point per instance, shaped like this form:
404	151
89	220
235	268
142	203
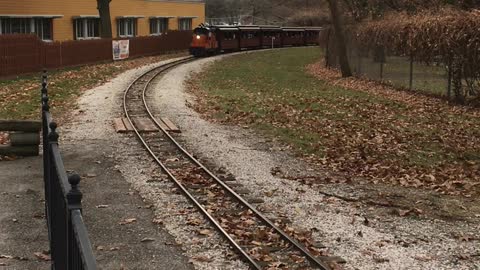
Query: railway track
261	242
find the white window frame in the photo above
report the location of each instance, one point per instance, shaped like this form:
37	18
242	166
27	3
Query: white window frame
36	31
126	22
185	19
158	22
31	22
84	22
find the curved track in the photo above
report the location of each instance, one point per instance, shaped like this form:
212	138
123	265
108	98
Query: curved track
259	240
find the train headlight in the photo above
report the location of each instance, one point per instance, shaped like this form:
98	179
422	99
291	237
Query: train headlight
198	36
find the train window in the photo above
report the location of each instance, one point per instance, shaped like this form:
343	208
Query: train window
229	35
201	31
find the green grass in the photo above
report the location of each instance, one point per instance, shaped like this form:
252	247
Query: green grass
357	131
430	79
20	96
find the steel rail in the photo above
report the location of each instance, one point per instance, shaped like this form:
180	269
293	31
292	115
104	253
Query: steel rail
210	218
162	69
263	218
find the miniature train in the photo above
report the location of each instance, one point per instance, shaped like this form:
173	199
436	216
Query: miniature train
210	40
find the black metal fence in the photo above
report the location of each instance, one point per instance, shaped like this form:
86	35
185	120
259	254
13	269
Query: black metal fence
70	246
400	71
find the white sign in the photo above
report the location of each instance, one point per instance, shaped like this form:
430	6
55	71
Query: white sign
121	49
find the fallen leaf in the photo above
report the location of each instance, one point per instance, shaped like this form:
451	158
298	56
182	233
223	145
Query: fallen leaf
423	258
41	256
157	221
144	240
205	232
378	259
202	259
128	221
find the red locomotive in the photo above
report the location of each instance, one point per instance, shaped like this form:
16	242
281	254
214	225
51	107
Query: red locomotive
209	40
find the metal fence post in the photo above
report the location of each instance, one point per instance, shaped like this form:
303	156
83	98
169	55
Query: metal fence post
411	73
381	70
55	212
74	196
74	202
449	82
46	155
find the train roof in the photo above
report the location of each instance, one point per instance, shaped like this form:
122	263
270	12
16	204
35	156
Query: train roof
248	28
259	27
293	29
270	27
314	28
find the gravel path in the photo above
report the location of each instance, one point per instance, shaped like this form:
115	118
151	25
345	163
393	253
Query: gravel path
350	231
365	241
93	123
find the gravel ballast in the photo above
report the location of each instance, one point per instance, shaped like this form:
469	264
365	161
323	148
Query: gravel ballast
349	231
93	122
365	241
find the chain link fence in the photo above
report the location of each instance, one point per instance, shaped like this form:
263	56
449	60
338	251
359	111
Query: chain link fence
400	71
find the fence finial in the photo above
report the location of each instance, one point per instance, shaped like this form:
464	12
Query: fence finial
74	196
44	81
53	135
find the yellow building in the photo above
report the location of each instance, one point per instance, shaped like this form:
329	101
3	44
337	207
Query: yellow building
78	19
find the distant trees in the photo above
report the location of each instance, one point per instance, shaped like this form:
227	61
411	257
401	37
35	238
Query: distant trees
281	12
103	7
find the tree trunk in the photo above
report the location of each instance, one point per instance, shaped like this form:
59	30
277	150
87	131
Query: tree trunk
103	7
340	39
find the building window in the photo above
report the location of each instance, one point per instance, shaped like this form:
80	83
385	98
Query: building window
185	24
87	28
158	26
127	27
42	27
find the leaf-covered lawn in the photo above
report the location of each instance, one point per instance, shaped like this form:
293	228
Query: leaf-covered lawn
20	97
354	126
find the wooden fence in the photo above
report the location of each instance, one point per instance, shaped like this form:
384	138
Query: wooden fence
26	53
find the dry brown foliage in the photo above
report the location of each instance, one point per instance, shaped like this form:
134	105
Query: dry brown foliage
448	36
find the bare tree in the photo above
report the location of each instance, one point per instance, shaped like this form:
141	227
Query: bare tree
103	7
340	38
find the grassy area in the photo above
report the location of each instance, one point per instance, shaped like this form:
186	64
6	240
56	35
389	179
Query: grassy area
430	79
20	97
381	134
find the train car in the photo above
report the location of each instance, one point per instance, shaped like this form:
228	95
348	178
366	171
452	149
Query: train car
312	35
204	41
208	40
293	36
228	38
250	37
271	36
